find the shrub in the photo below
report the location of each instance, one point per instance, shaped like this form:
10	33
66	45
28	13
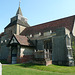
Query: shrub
73	47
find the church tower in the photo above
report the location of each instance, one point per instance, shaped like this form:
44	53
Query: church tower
17	24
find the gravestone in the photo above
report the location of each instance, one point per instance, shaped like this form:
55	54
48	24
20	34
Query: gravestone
0	69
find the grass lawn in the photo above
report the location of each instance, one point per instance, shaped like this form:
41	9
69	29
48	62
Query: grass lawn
33	69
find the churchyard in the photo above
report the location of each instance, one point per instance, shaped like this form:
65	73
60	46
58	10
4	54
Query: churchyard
35	69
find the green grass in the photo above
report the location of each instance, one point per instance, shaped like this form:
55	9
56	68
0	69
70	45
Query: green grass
33	69
52	68
12	70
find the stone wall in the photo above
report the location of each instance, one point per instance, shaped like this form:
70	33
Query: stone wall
3	47
61	46
26	54
4	50
26	58
39	54
59	51
11	30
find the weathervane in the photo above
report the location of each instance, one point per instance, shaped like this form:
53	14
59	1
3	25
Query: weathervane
19	3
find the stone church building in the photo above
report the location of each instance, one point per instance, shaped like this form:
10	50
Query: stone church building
46	43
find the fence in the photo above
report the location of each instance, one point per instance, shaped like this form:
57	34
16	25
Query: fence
0	69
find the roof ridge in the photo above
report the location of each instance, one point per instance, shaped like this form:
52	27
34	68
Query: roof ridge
52	25
52	21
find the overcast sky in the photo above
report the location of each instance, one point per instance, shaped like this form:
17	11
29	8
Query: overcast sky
36	11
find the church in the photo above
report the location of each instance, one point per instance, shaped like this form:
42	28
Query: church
46	43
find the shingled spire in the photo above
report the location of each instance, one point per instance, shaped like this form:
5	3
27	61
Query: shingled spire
19	11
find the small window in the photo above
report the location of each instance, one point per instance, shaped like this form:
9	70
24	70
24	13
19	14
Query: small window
39	33
5	40
1	41
50	31
30	35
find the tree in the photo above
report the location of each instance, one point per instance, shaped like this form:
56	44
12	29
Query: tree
73	47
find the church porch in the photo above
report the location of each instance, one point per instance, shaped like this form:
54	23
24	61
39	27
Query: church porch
20	53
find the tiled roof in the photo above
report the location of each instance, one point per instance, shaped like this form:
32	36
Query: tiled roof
2	34
23	40
64	22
